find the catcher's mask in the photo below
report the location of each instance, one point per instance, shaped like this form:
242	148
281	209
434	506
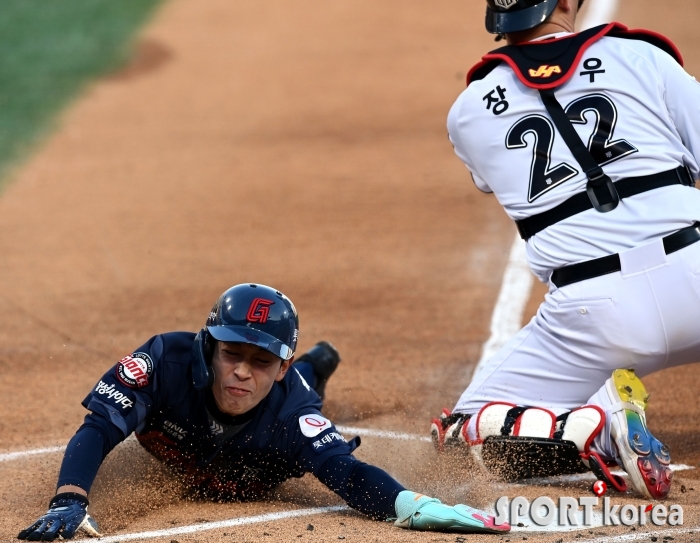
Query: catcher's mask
503	16
246	313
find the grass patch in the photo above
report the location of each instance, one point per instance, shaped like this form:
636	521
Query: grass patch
49	49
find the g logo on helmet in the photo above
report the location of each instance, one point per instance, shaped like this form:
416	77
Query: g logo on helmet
259	310
506	4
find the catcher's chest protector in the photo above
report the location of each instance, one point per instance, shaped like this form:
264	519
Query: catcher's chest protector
551	63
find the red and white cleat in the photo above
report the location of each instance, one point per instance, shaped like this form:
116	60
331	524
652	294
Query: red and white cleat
449	430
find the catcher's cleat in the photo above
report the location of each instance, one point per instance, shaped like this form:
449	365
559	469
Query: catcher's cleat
324	358
645	459
449	430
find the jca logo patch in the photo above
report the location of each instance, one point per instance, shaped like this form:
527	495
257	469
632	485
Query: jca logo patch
135	370
545	71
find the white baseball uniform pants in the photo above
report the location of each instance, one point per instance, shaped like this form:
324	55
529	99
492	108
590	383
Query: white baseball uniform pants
646	317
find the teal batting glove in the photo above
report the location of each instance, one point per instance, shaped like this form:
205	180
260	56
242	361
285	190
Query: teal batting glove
418	512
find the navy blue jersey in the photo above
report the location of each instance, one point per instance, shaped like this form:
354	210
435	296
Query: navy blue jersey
150	392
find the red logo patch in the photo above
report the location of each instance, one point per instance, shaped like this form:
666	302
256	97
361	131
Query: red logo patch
135	370
259	310
315	422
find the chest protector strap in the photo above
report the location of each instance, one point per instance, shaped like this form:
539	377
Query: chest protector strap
601	192
556	62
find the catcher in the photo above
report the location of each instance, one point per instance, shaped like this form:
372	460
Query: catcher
591	142
227	411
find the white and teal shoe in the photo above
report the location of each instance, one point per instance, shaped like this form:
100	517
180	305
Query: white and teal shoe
418	512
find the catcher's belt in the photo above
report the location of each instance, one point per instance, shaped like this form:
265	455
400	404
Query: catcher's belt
611	263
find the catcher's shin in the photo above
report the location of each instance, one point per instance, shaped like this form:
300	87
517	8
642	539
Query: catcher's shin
518	442
519	457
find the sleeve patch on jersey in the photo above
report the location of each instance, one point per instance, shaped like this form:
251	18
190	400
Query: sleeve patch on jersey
135	370
328	441
111	393
312	425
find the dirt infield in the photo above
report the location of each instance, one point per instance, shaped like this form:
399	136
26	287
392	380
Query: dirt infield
301	145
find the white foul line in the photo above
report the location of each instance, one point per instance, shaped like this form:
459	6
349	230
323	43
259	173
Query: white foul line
588	476
269	517
21	454
639	536
507	316
380	433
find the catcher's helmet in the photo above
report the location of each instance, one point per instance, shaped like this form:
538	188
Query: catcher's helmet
246	313
503	16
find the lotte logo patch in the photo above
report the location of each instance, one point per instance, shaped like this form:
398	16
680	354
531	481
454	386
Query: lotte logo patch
135	370
259	310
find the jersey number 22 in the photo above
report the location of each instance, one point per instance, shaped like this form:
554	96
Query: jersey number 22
544	177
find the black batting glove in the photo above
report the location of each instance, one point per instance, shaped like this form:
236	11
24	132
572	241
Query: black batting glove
66	515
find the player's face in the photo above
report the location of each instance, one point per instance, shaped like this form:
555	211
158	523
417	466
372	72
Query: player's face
244	375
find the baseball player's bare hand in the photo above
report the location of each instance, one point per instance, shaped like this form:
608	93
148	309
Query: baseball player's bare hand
66	515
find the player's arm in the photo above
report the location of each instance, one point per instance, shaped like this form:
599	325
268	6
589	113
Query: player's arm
324	452
120	401
682	97
364	487
375	493
456	121
68	509
85	453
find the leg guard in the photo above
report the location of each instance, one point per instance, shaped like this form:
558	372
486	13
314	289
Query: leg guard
518	442
580	427
518	457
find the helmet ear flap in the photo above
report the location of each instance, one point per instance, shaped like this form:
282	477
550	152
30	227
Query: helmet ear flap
202	351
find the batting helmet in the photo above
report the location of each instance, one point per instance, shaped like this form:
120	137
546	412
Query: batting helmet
503	16
246	313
